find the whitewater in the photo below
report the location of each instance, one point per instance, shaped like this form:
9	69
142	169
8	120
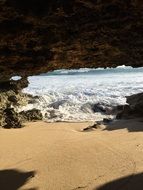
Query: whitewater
70	95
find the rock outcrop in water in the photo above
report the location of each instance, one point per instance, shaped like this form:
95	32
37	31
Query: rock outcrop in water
37	36
134	108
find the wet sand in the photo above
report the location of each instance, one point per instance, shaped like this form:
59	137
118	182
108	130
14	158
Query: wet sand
60	156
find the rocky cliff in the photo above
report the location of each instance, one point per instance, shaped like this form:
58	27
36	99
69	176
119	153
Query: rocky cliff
41	35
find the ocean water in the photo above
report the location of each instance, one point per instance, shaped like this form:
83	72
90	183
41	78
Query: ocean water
71	95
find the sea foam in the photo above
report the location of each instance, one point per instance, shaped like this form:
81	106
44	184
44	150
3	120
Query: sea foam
69	95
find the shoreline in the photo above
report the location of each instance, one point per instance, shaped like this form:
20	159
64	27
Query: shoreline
61	156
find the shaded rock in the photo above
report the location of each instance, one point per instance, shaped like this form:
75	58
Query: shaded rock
115	110
2	118
13	99
12	119
125	113
88	107
133	109
107	120
31	115
99	108
42	35
13	85
120	107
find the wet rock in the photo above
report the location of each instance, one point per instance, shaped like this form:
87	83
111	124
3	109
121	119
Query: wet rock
31	115
107	120
88	108
57	104
99	108
133	109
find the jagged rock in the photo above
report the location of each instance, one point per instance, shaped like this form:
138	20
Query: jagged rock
134	107
31	115
2	119
12	99
42	35
13	85
12	119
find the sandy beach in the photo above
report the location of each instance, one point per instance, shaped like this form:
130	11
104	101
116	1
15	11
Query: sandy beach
60	156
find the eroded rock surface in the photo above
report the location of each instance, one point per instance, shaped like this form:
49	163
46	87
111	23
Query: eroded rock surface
10	100
31	115
39	35
10	103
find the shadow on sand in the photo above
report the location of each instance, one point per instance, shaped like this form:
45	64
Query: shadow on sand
132	182
14	179
131	125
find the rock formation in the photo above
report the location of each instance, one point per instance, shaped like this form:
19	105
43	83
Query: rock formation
9	102
31	115
37	36
134	107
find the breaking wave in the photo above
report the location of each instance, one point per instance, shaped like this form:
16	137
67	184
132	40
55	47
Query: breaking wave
83	94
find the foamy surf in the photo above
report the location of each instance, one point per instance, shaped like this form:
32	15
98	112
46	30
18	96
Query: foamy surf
70	95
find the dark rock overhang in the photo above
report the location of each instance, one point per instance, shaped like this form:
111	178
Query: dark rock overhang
37	36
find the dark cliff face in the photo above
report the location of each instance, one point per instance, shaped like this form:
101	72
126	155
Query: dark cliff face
41	35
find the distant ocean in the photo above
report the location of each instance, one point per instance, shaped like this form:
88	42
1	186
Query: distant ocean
69	95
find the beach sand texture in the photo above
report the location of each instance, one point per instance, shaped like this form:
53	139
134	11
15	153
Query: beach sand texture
60	156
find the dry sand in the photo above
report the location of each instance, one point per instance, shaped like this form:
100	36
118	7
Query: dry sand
59	156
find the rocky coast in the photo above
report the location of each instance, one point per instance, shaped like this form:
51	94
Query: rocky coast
40	36
37	36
